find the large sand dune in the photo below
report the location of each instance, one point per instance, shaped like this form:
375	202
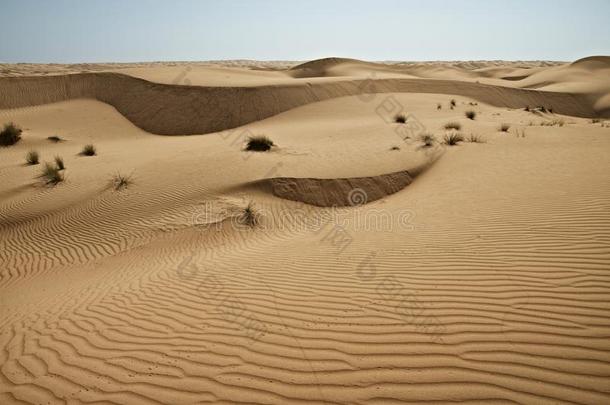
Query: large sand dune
482	279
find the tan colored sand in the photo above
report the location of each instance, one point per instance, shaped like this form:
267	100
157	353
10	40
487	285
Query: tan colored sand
485	280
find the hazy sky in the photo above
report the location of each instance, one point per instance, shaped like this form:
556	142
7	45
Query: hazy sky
148	30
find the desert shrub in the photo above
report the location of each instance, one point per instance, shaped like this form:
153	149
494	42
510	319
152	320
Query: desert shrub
89	150
453	125
31	158
453	139
470	114
59	163
249	216
259	144
452	103
121	181
540	108
427	139
595	120
394	148
10	134
51	175
475	139
504	127
54	138
527	108
400	119
439	106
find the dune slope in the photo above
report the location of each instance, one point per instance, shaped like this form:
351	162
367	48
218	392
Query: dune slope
172	110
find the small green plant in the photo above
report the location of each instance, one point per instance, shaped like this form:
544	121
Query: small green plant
51	175
89	150
54	138
427	139
10	134
121	181
504	127
400	119
453	125
259	144
475	139
32	158
59	163
453	139
470	114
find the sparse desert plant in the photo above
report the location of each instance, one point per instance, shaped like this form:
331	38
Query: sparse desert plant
121	181
473	103
470	114
475	139
394	148
59	163
32	158
453	125
249	217
10	134
51	175
540	108
520	132
259	144
453	139
452	103
54	138
439	106
595	120
400	118
605	124
504	127
89	150
427	139
527	108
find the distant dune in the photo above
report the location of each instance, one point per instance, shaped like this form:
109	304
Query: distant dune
173	109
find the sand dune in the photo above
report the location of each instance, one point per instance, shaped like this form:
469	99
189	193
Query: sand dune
484	280
172	110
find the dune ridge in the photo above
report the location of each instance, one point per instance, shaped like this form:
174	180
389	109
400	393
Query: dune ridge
184	110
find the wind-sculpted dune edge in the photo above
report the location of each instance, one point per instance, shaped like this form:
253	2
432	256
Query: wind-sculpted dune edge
184	110
342	192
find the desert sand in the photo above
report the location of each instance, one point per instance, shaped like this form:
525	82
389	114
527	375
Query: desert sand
350	264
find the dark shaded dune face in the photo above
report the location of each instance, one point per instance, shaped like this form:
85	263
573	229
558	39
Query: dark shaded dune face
344	192
185	110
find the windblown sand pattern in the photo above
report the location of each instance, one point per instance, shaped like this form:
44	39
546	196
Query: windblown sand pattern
482	279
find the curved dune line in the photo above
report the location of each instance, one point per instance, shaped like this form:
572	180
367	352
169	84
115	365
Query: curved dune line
339	192
183	110
343	192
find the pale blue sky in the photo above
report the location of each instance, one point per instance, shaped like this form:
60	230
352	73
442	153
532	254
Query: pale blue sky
148	30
